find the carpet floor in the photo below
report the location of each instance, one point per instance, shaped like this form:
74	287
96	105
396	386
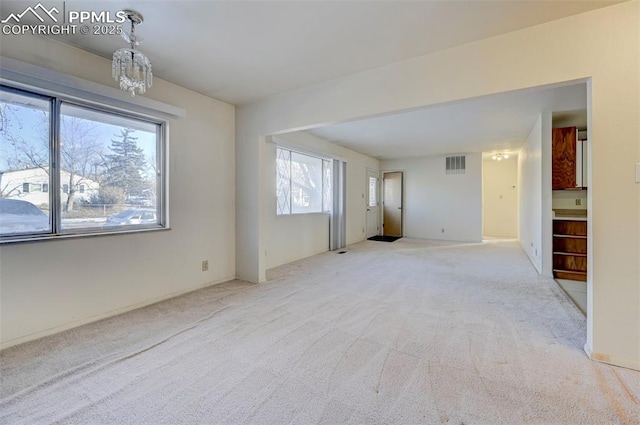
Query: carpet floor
414	332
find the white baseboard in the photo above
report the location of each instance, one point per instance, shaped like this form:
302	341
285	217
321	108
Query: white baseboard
612	360
80	322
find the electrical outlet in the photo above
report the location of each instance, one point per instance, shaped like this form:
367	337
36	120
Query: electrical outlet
578	201
205	265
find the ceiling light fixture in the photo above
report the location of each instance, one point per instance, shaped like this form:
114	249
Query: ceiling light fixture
500	156
130	67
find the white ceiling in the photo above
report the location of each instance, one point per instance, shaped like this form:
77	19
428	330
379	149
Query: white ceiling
498	123
242	51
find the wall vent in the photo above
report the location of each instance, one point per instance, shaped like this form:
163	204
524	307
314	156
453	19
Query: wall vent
456	164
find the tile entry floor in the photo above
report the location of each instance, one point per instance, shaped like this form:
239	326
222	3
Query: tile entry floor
576	291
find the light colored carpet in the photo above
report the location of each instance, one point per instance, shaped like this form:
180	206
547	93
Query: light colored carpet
410	332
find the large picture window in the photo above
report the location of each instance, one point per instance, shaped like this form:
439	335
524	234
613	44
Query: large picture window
303	183
68	168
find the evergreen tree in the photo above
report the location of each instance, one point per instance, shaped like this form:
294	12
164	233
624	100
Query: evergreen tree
125	164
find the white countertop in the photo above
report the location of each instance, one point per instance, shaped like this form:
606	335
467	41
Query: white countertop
567	217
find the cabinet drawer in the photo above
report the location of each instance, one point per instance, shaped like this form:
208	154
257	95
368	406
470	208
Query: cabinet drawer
570	245
570	228
570	263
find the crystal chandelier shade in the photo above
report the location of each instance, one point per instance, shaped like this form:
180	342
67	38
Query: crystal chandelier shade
130	67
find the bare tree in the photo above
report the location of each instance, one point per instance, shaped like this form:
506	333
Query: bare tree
24	152
80	154
80	148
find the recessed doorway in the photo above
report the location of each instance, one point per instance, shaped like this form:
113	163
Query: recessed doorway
499	196
392	204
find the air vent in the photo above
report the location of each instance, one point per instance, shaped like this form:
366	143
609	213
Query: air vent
456	164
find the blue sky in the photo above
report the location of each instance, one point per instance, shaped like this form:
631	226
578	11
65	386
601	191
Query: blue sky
28	123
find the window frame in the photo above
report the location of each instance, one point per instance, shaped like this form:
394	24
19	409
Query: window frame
56	100
324	209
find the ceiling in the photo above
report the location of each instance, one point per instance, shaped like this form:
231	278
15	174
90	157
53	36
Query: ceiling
497	123
242	51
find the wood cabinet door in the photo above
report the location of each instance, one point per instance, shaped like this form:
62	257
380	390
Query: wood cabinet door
564	158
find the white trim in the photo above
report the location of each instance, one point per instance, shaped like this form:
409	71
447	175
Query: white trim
27	76
304	150
612	360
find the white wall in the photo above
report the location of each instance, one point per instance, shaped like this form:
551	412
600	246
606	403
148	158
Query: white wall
578	47
302	235
530	195
500	197
434	200
547	195
566	199
52	285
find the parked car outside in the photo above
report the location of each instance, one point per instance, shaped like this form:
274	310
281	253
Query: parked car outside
132	217
141	201
17	216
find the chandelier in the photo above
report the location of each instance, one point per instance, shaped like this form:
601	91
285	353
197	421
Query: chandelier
130	67
500	156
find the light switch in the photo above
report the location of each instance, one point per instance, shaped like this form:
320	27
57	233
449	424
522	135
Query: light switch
637	173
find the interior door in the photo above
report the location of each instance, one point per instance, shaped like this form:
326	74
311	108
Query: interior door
392	204
372	199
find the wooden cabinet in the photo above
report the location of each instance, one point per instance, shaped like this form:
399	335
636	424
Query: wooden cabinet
563	148
570	249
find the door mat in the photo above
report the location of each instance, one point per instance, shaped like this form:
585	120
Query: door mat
381	238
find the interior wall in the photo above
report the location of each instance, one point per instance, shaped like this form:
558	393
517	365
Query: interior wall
500	197
435	201
547	195
292	237
530	195
53	285
576	48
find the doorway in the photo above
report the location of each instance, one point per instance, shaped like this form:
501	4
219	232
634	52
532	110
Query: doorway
373	215
392	204
500	196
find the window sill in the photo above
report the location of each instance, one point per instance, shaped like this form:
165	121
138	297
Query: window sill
303	214
86	234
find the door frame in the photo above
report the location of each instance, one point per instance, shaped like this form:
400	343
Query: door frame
402	199
378	199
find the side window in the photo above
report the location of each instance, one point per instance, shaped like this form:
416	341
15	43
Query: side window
303	183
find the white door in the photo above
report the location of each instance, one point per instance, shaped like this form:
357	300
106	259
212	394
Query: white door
372	191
